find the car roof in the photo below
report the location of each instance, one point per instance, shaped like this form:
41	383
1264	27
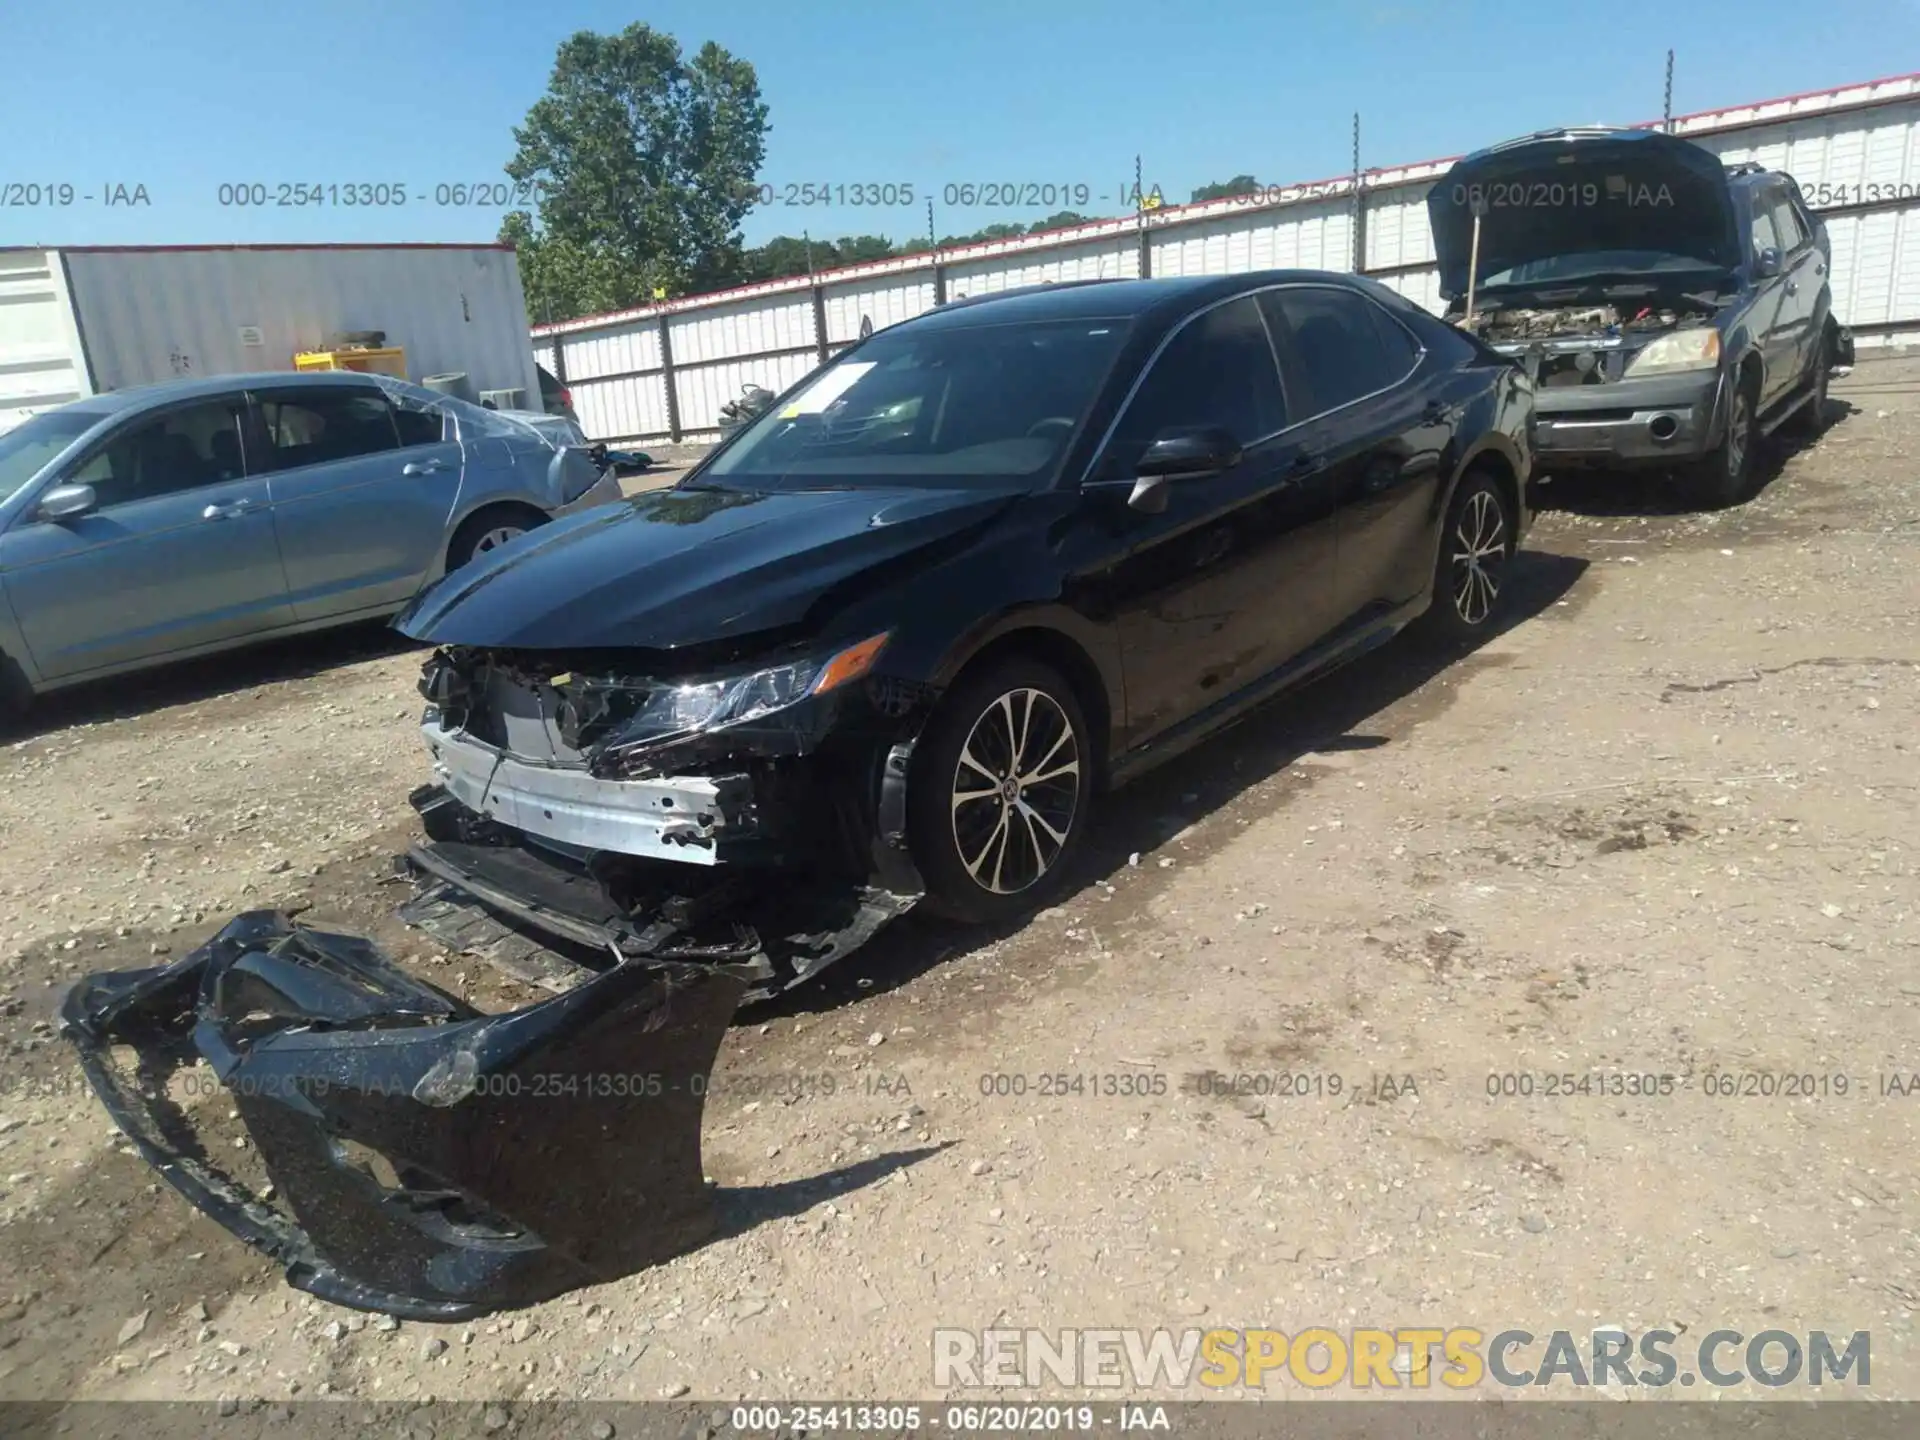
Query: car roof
164	392
1113	299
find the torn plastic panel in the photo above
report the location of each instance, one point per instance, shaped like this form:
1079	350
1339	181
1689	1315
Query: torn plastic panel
434	1162
551	918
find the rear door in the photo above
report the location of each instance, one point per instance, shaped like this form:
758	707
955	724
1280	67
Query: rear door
362	492
178	554
1232	578
1352	371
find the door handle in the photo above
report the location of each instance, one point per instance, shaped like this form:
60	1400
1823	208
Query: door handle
1821	268
423	467
232	510
1793	287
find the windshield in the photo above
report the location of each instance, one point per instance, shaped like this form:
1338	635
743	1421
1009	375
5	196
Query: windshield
26	449
1586	265
941	405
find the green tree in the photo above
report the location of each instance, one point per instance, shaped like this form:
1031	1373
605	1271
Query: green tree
642	163
1223	189
1059	220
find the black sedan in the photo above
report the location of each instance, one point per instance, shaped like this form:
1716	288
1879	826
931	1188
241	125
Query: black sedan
902	628
886	643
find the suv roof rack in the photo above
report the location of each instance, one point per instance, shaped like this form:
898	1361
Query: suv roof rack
1747	167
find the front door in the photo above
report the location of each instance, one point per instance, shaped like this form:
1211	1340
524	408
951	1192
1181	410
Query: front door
1769	318
361	495
1233	577
178	553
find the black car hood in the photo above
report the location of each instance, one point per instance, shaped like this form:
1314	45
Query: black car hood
1577	192
688	566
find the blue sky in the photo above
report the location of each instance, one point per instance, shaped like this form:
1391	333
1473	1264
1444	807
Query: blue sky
183	96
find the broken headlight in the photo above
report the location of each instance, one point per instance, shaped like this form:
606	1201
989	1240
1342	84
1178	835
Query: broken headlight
1697	349
691	707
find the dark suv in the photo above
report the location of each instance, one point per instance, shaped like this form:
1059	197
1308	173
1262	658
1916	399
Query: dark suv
1671	309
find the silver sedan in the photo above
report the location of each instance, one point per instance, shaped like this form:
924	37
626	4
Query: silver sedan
177	519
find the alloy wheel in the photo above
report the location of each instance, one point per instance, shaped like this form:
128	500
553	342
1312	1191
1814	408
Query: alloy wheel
1479	556
1016	791
1739	431
496	537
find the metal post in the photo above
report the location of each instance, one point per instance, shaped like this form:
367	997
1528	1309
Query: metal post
1666	122
939	270
1140	219
820	320
1359	206
666	376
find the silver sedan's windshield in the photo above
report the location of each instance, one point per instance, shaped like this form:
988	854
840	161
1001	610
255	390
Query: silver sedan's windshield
941	405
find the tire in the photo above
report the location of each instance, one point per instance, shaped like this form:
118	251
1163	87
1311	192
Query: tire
991	855
1470	572
1725	477
485	529
16	694
1811	418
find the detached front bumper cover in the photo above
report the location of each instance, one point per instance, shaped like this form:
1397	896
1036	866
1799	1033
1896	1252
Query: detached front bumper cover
429	1161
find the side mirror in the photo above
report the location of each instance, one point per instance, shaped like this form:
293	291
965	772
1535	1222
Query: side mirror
66	502
1768	265
1180	455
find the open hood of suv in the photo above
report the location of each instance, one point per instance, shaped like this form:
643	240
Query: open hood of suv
1570	193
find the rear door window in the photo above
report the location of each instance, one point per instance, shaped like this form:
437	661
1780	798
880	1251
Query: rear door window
321	427
183	449
1338	345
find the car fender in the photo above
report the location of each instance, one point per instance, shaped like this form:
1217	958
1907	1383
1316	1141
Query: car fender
1096	642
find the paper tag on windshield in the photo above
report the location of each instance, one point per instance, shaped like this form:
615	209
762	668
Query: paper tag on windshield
827	389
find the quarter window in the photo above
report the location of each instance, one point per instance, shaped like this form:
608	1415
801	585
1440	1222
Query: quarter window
1217	371
1339	345
181	450
316	428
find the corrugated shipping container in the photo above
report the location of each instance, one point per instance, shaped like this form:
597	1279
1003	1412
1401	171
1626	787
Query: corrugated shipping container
1855	151
80	321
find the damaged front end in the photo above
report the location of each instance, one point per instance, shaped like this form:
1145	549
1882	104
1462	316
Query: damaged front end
742	811
422	1159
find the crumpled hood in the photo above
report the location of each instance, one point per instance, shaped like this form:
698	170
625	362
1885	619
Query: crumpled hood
1575	192
681	567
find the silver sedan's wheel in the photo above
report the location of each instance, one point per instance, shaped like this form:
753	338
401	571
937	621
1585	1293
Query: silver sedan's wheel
496	537
1016	791
1478	558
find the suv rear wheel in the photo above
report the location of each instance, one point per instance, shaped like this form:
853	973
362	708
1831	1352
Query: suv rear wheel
998	799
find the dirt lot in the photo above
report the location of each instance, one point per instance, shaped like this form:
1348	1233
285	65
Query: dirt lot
1666	823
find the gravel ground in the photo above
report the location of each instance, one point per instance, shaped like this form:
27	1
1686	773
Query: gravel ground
1666	823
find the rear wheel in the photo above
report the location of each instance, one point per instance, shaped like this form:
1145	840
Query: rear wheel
1476	549
489	529
997	802
16	695
1724	477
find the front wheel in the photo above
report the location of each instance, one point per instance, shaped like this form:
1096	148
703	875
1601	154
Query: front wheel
1476	550
997	802
1724	477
